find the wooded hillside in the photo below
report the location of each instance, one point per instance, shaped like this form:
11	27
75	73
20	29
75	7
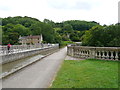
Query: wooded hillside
90	33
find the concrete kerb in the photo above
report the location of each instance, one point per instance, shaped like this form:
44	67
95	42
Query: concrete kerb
23	66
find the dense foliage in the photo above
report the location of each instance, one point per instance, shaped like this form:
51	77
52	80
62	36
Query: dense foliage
13	27
90	33
102	36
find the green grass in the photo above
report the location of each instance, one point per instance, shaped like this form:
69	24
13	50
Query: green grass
87	74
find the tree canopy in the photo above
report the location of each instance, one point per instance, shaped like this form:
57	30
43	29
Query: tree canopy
90	33
102	36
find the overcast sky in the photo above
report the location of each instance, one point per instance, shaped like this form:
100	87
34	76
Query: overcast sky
101	11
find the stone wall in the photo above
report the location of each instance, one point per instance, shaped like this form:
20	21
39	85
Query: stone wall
25	53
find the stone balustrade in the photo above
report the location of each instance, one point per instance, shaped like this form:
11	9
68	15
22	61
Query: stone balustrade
107	53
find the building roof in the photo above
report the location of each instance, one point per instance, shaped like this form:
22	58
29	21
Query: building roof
30	37
33	37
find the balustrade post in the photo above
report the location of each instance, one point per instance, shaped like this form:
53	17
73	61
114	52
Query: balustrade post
70	49
92	54
67	51
72	54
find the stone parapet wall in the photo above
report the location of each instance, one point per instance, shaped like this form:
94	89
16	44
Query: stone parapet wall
19	48
108	53
9	57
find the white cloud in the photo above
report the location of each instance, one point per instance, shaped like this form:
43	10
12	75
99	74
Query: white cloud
103	11
72	4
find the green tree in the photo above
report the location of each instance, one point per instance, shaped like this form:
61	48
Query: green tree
93	36
36	29
23	31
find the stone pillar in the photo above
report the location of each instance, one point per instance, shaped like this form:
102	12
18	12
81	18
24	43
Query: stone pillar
92	55
72	54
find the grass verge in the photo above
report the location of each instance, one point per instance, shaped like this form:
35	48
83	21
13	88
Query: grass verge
87	74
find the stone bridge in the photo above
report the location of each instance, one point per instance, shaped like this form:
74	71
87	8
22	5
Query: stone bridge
106	53
42	73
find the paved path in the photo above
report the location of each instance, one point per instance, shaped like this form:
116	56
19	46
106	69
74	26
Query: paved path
37	75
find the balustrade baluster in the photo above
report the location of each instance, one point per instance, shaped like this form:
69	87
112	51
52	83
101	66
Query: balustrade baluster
75	53
107	54
112	55
78	53
99	56
81	53
116	55
103	54
72	52
87	53
96	54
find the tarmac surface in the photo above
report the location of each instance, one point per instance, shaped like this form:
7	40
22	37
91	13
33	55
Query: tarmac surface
37	75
